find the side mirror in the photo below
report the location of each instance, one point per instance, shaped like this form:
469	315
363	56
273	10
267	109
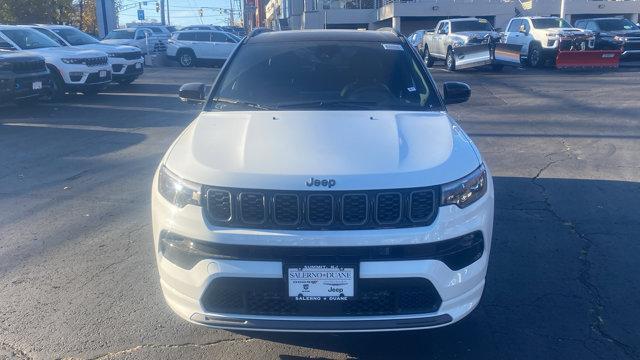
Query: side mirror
498	30
455	92
192	92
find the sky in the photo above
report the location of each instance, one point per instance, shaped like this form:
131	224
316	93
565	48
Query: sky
182	12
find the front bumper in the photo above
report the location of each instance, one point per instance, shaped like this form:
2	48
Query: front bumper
124	69
21	86
78	76
459	291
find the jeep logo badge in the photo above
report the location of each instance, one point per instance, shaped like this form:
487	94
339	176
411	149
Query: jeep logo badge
318	182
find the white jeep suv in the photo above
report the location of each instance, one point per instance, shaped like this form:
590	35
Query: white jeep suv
72	69
323	187
202	46
127	63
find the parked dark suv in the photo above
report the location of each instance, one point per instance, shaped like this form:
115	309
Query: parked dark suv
615	33
23	77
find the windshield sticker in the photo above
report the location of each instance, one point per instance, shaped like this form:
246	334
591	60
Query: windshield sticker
484	21
396	47
411	89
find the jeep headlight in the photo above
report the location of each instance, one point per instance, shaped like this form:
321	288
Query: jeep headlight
72	61
464	192
619	39
178	191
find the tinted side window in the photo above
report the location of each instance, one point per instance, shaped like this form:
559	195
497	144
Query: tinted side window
219	37
580	24
591	25
203	36
514	25
445	28
230	39
48	34
156	30
187	36
4	45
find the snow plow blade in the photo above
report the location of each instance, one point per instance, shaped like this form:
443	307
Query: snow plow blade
588	59
472	56
507	54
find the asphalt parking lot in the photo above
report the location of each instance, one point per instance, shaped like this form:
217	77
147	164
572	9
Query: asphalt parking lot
77	273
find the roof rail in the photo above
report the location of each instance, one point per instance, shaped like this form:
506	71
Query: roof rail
390	29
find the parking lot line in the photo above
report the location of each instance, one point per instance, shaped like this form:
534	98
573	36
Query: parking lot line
71	127
124	108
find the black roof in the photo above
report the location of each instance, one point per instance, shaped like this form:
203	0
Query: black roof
330	35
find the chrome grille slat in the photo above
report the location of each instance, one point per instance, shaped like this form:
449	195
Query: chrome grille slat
321	210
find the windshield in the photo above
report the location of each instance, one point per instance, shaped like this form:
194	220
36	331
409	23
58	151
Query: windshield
120	34
347	75
74	36
548	23
616	24
28	39
475	25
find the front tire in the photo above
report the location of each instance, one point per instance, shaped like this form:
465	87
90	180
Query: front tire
450	61
186	58
534	57
428	58
57	91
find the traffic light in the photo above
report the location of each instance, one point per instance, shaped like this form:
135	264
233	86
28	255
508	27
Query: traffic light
157	6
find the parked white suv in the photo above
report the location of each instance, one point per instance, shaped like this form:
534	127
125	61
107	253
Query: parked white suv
323	187
127	63
72	69
201	46
141	38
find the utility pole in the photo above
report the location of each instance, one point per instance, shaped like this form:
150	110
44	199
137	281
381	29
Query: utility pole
168	15
81	14
162	12
562	9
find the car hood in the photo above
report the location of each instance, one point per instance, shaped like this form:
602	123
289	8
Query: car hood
476	34
566	31
71	52
360	150
108	48
627	33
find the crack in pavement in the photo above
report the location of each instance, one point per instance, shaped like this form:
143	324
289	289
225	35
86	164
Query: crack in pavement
584	277
167	346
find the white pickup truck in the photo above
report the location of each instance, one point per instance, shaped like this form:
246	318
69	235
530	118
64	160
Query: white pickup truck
461	43
541	38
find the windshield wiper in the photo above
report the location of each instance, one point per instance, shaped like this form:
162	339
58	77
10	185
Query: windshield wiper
240	102
327	103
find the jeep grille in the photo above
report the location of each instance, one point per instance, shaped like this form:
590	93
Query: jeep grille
321	210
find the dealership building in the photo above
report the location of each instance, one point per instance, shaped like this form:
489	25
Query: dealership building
410	15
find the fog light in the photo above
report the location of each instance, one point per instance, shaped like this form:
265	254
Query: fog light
75	76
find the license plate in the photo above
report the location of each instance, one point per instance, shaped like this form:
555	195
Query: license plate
138	65
607	55
36	85
103	73
321	282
